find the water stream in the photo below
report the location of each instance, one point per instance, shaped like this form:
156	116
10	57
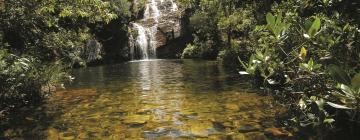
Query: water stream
146	41
153	99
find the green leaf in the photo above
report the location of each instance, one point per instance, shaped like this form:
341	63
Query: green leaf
303	53
320	103
347	90
355	82
346	27
242	63
279	20
314	27
270	19
311	62
329	121
307	25
339	74
337	106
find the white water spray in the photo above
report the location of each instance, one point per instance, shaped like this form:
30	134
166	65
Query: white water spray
145	42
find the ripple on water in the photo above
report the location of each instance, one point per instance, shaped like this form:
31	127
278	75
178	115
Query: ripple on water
163	99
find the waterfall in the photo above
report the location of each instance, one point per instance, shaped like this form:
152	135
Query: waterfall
144	45
174	7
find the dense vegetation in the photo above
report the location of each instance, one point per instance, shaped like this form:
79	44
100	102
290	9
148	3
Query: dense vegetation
40	40
305	53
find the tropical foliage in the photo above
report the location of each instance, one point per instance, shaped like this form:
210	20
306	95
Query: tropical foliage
40	40
305	52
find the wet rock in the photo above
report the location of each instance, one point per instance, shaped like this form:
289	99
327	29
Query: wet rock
228	124
277	132
157	132
82	135
92	50
52	134
136	125
255	136
239	137
68	138
163	132
219	126
133	133
136	119
232	107
248	128
200	128
217	137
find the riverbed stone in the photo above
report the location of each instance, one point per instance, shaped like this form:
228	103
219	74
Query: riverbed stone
232	106
239	136
248	128
255	136
199	128
52	133
136	119
277	132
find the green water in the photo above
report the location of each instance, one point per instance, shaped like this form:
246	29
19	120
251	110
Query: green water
159	99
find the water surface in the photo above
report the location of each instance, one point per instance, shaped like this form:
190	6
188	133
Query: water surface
158	99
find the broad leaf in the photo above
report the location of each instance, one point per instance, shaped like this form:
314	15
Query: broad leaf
307	25
337	106
347	90
314	27
279	20
270	19
329	121
303	53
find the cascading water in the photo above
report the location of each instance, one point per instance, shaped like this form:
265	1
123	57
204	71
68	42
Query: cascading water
174	7
144	45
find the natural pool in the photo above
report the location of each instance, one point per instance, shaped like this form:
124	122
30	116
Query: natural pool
157	99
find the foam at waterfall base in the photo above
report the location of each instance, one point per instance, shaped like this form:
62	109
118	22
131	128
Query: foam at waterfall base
145	60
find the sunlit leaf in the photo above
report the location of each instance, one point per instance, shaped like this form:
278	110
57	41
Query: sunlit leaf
243	73
347	90
314	27
270	19
302	104
329	121
303	53
337	106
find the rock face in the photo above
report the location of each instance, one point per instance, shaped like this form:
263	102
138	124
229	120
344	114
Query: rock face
174	35
92	50
169	28
161	26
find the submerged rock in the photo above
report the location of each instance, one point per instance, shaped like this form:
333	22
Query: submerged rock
232	107
164	132
277	132
136	119
248	128
219	126
255	136
200	128
52	134
239	137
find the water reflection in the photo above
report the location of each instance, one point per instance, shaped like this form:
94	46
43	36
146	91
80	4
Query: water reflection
162	99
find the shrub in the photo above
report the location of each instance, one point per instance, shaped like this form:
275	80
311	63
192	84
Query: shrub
21	79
